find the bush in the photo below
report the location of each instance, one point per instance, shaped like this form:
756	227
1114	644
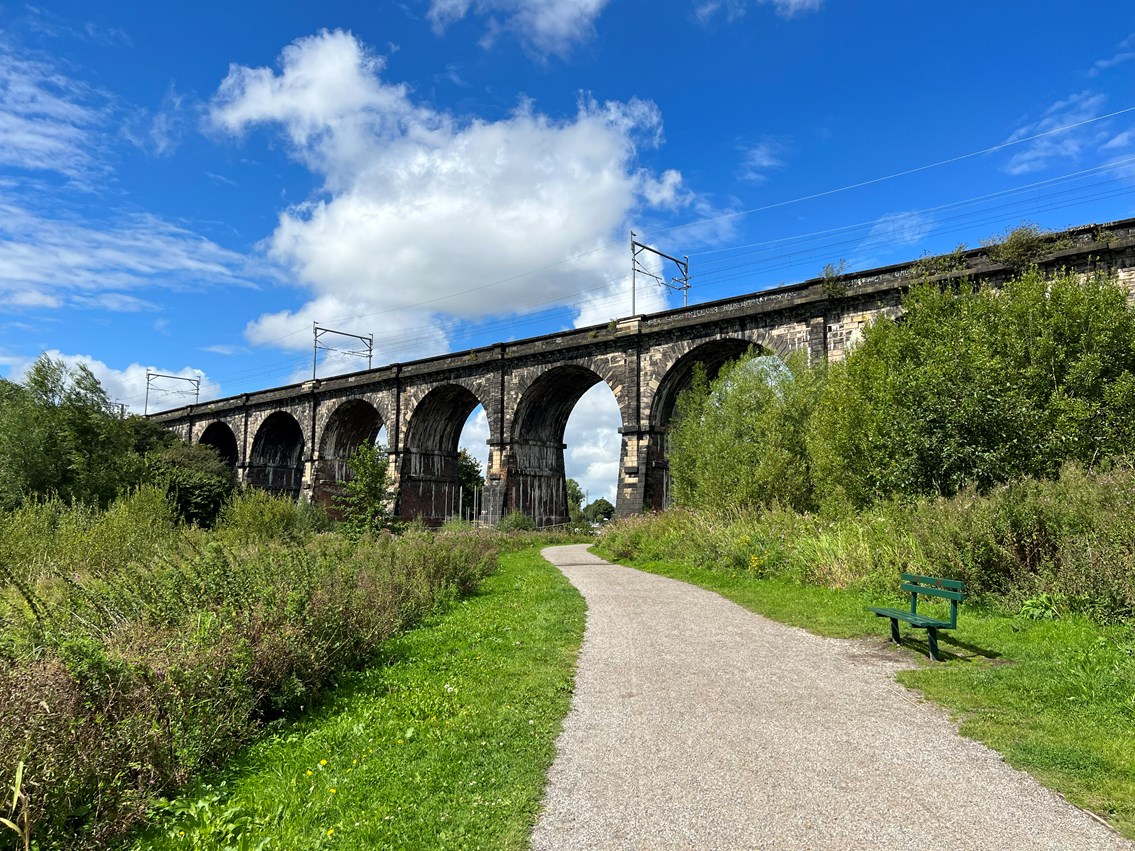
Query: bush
740	440
197	480
1071	539
137	652
978	387
516	521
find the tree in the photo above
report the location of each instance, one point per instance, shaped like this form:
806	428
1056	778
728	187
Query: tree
471	478
367	499
739	440
575	499
981	387
197	480
60	435
599	511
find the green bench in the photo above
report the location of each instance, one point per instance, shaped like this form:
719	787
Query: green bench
930	586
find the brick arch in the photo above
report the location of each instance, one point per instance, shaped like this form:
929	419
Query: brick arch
583	374
674	370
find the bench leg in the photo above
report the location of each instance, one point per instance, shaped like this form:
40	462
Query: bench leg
932	637
895	631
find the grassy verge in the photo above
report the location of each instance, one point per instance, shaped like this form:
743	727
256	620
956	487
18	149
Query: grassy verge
445	744
1055	697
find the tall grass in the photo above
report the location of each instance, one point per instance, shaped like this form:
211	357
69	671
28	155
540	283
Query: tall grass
1070	540
135	652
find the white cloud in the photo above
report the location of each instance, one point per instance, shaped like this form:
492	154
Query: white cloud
128	385
545	26
1124	52
733	10
48	121
116	302
159	133
431	214
1119	140
51	262
475	436
1039	154
758	159
32	298
397	338
594	444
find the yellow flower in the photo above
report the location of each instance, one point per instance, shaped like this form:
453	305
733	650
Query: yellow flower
323	762
330	831
308	772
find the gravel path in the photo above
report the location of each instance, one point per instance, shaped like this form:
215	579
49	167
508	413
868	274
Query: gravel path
697	724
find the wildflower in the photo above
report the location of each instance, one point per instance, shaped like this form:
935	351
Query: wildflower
330	831
333	790
323	762
308	772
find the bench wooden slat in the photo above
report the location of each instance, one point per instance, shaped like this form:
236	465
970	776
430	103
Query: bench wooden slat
935	581
917	621
931	591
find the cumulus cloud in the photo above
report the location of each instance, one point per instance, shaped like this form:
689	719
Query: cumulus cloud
733	10
544	26
404	336
593	443
1070	144
425	212
128	385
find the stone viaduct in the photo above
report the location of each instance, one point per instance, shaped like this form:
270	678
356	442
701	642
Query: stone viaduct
297	439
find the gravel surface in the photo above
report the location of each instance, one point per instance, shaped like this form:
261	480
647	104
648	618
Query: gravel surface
697	724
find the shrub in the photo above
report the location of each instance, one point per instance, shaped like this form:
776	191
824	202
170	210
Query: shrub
1071	538
516	521
137	652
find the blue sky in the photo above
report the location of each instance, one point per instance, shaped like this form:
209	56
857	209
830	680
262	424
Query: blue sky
185	188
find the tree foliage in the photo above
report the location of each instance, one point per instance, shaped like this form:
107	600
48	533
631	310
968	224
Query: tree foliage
979	387
599	511
740	439
969	387
575	497
470	476
59	435
197	480
367	498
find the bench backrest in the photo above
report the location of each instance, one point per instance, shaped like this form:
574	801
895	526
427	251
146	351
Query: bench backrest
934	586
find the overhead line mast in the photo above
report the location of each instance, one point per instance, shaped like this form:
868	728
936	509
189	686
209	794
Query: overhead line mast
681	282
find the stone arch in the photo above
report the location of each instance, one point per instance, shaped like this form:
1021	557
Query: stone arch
535	482
352	423
276	461
712	355
221	437
429	484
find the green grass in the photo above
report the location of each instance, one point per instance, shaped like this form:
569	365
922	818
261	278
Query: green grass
1055	698
443	744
